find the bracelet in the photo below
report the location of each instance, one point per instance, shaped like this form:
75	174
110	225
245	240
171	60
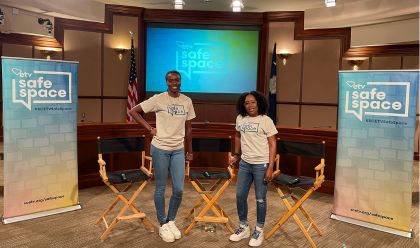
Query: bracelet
237	154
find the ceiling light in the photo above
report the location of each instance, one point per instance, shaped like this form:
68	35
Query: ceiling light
179	4
330	3
237	5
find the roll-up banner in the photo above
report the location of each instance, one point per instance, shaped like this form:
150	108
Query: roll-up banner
40	137
376	125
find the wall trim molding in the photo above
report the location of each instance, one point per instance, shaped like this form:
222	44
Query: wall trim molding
385	50
29	40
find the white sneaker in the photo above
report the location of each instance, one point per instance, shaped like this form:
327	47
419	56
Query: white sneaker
241	233
166	234
175	231
257	238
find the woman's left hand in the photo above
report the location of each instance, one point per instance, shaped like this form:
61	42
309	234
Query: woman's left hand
268	176
189	156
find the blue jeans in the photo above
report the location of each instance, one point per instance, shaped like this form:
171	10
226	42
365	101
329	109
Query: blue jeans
165	162
248	173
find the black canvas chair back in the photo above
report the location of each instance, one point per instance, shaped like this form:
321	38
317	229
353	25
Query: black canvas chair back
122	180
118	145
290	182
218	180
211	144
304	149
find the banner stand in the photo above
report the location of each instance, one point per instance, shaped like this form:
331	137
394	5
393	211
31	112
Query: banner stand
40	137
373	226
40	214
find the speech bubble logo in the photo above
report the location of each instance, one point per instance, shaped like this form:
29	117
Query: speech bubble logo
374	102
40	95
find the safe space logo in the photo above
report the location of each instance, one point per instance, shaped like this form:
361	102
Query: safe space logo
40	87
377	98
201	58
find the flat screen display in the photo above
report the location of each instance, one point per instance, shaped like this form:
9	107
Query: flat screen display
215	60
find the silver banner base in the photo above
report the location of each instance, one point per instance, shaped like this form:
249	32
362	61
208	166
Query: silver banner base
40	214
373	226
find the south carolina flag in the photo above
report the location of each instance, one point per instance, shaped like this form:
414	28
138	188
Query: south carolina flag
272	88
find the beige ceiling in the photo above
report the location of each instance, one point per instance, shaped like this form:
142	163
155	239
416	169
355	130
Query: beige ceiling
224	5
347	13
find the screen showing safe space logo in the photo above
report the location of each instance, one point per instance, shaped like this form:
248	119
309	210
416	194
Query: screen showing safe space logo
377	98
40	87
209	60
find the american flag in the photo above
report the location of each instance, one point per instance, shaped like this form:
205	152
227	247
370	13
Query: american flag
132	97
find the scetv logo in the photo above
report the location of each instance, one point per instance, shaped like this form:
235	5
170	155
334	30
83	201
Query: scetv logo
42	87
377	98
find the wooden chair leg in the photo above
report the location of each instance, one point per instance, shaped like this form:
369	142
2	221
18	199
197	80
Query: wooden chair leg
291	212
128	204
210	205
110	207
205	197
308	217
114	222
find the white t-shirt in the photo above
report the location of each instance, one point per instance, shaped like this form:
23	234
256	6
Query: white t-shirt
171	114
254	134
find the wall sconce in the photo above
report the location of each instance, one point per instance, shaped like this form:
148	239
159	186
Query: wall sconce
355	63
120	52
284	56
48	53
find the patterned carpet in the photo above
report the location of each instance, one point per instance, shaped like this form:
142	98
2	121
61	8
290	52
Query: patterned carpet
77	229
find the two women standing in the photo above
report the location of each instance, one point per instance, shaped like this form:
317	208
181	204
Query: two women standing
255	140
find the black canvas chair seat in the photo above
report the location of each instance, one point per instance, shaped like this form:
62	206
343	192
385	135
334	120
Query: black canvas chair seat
198	174
309	185
210	183
293	181
121	181
126	176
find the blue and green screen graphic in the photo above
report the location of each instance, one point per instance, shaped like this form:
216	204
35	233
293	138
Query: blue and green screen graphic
209	60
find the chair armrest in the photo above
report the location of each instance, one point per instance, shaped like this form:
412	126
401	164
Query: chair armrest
146	171
148	158
101	162
319	179
319	167
102	169
187	168
231	171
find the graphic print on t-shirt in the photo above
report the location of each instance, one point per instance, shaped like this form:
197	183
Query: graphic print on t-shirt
249	127
175	109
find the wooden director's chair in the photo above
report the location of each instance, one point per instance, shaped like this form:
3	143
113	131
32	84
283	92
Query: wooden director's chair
281	180
221	177
121	181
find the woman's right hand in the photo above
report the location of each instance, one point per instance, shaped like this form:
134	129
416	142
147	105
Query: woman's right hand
153	131
233	159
